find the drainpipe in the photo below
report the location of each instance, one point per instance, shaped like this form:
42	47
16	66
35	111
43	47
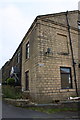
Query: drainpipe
73	62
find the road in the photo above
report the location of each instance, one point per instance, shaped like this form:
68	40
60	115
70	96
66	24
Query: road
9	111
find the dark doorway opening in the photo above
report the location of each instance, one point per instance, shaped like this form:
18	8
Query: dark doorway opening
27	80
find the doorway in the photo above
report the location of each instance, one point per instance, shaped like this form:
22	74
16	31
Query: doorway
27	80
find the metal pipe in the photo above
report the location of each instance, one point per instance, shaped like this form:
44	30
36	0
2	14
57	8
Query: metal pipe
73	62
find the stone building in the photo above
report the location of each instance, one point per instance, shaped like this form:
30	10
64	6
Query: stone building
12	68
5	71
50	60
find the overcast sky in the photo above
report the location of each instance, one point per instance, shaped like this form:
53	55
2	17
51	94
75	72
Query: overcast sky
16	16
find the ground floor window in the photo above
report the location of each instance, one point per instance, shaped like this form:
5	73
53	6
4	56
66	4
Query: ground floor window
66	79
27	80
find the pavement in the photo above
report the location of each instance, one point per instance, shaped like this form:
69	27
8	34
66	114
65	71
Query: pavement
10	111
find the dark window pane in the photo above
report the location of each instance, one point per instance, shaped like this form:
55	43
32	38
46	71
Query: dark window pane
79	25
27	50
66	80
65	70
18	57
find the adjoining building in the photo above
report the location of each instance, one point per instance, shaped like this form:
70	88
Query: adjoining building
50	60
12	68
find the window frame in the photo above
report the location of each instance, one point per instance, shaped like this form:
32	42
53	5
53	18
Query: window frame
27	50
70	73
79	25
18	57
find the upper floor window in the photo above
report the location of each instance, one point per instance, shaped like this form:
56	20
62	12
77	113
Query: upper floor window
66	79
79	25
18	57
27	50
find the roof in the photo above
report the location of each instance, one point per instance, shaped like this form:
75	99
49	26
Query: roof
57	14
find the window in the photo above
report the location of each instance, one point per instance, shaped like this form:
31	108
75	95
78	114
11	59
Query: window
27	50
18	57
66	80
27	80
79	25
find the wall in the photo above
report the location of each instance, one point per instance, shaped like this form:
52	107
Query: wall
44	69
48	77
30	64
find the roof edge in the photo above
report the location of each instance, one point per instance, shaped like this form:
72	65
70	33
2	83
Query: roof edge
59	13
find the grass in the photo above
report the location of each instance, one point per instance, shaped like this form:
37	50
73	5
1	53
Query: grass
52	110
11	92
15	93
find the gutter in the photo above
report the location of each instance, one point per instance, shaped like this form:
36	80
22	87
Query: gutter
73	62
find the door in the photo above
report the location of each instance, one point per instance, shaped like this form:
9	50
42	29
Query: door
27	80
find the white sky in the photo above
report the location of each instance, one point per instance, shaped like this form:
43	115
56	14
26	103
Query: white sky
16	16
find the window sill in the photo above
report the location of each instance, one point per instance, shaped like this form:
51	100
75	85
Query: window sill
67	90
63	53
26	90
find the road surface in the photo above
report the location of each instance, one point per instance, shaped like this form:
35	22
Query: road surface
9	111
